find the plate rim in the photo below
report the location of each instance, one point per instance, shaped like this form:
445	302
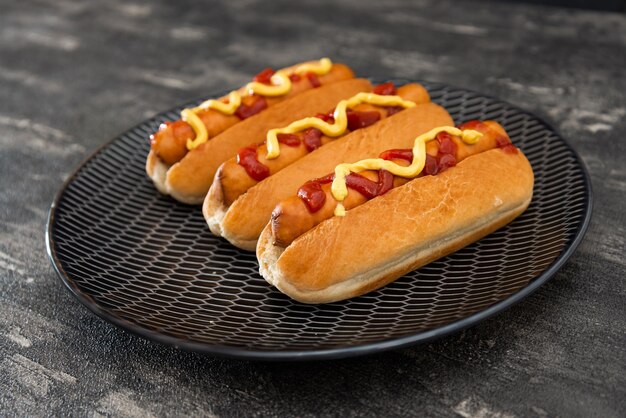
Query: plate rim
328	353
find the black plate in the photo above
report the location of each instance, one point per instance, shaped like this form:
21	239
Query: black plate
150	265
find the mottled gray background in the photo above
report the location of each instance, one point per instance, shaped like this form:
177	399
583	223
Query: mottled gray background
73	74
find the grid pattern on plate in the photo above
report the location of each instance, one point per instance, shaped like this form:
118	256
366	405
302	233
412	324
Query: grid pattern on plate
151	262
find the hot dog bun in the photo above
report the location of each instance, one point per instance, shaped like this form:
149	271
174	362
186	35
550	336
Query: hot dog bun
292	217
234	179
242	223
188	180
402	230
170	142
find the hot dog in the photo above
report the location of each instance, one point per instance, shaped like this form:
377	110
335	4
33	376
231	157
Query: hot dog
173	141
242	222
314	203
253	164
416	210
189	179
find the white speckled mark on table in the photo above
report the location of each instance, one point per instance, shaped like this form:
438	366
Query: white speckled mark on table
120	403
33	379
30	80
516	86
41	37
458	28
473	407
39	128
8	266
15	336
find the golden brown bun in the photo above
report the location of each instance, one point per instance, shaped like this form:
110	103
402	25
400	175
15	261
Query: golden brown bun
170	148
235	181
157	171
188	180
231	179
243	221
408	227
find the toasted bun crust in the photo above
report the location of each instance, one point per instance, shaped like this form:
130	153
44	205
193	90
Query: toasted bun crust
189	179
410	226
157	171
217	201
243	221
214	208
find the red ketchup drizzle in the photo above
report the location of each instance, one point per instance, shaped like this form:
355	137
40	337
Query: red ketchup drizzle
506	145
312	194
312	139
327	117
315	82
358	120
446	155
368	188
446	161
503	141
180	129
385	182
446	144
291	140
472	124
247	158
294	77
385	89
397	154
264	76
430	167
245	111
175	125
392	110
388	89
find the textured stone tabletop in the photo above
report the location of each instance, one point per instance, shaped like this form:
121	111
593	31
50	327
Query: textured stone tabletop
74	74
